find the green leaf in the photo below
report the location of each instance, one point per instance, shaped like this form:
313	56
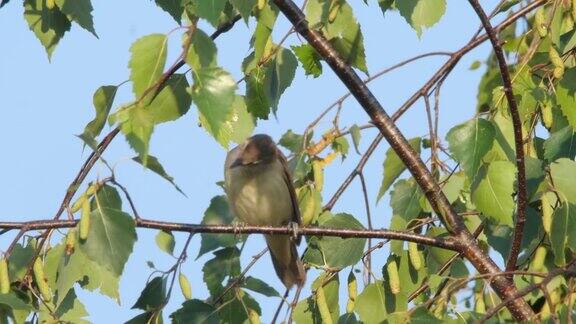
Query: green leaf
153	296
165	241
235	307
77	267
340	145
393	166
560	221
405	199
561	143
213	94
257	101
421	13
218	213
371	303
534	175
244	7
266	18
111	237
346	37
492	191
211	10
469	142
292	141
195	311
79	11
241	122
348	318
503	147
138	128
259	286
565	97
173	8
13	302
335	252
49	25
148	57
562	172
154	165
202	51
452	185
356	136
500	236
309	59
280	72
226	263
19	260
152	317
102	100
437	257
70	310
172	102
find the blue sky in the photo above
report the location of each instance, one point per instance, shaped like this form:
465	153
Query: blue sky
44	104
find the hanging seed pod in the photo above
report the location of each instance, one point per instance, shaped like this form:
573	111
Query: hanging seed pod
540	23
557	62
323	306
85	220
352	292
547	115
4	278
393	277
414	255
70	241
547	212
185	286
40	278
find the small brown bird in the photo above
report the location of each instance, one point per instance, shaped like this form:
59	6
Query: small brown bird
260	192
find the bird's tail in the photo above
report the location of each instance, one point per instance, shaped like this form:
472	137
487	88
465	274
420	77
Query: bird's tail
287	264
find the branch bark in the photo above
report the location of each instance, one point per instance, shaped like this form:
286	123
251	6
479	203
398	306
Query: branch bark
518	138
445	243
453	222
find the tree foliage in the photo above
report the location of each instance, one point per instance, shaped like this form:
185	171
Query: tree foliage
475	169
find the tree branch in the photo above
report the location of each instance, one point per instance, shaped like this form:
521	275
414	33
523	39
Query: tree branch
570	270
453	222
445	243
518	138
439	75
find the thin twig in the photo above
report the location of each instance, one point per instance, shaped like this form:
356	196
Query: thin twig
240	277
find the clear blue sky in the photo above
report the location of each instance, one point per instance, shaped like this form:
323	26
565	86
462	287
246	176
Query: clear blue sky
44	104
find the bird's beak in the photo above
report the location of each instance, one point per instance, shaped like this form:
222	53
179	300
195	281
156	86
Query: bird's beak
237	162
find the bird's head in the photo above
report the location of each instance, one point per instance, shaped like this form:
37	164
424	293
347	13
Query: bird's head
256	150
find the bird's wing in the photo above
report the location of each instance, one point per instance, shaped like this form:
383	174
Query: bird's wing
288	179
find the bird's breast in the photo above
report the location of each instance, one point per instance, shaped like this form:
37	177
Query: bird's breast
260	196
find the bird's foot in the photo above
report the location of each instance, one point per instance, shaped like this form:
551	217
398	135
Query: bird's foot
238	227
294	227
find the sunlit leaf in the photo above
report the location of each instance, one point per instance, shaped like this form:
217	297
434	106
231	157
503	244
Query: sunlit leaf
393	166
492	191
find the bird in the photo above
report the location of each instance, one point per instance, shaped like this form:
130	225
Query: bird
260	192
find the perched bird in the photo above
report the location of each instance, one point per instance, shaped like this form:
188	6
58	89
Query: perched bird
260	192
